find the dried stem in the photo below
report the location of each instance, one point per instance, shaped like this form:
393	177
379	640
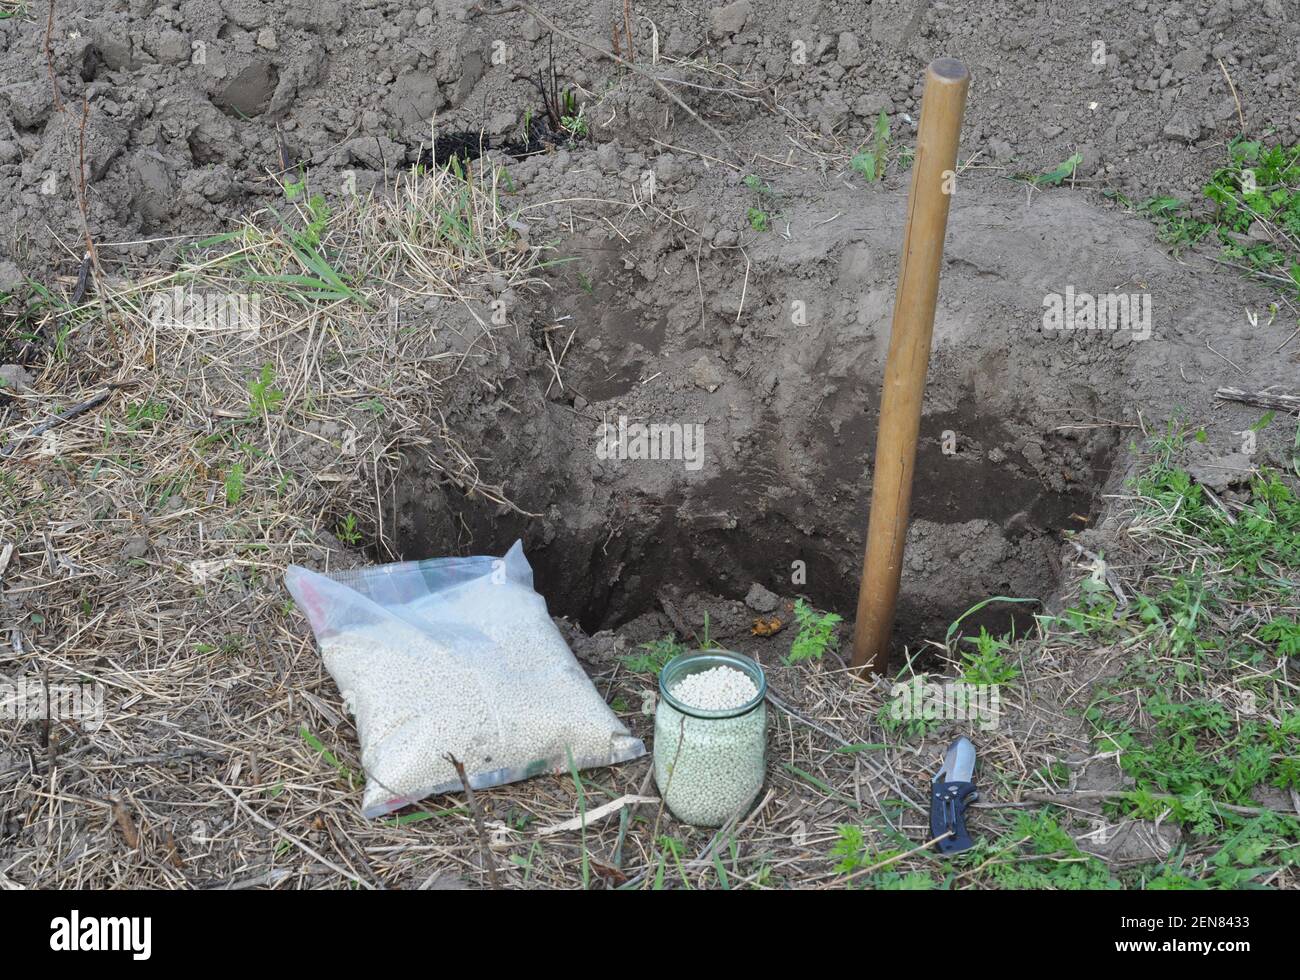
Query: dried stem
49	58
477	811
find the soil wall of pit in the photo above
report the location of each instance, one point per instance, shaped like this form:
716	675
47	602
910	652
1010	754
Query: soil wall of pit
1020	426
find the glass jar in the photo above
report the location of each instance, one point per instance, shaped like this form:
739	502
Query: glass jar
709	765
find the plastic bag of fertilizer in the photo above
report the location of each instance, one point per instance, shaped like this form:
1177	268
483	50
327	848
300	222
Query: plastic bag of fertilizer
459	656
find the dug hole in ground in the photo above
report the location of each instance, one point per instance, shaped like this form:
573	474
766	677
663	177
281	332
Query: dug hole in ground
375	283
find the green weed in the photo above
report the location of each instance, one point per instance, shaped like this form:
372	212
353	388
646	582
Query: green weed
1202	718
348	531
653	656
572	120
234	484
851	855
816	634
263	397
350	776
1062	172
1250	207
757	214
871	162
988	662
145	414
582	819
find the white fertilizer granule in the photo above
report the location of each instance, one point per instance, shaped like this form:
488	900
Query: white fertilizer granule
478	671
715	689
710	769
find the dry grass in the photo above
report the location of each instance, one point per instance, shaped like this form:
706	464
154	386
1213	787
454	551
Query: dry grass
151	530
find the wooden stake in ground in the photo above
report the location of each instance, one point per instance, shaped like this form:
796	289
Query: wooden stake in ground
933	181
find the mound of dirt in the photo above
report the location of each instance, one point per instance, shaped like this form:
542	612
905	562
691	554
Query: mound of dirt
192	106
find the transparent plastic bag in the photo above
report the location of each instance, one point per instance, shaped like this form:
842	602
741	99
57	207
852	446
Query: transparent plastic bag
459	656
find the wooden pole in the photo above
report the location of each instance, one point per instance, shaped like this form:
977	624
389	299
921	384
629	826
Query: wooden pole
933	181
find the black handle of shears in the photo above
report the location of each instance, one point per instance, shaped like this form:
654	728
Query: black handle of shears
948	815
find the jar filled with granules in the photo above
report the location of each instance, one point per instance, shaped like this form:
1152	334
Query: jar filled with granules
710	748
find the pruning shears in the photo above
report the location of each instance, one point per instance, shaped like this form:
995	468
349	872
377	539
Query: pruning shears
951	790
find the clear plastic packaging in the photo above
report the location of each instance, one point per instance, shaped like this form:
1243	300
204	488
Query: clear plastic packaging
455	656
